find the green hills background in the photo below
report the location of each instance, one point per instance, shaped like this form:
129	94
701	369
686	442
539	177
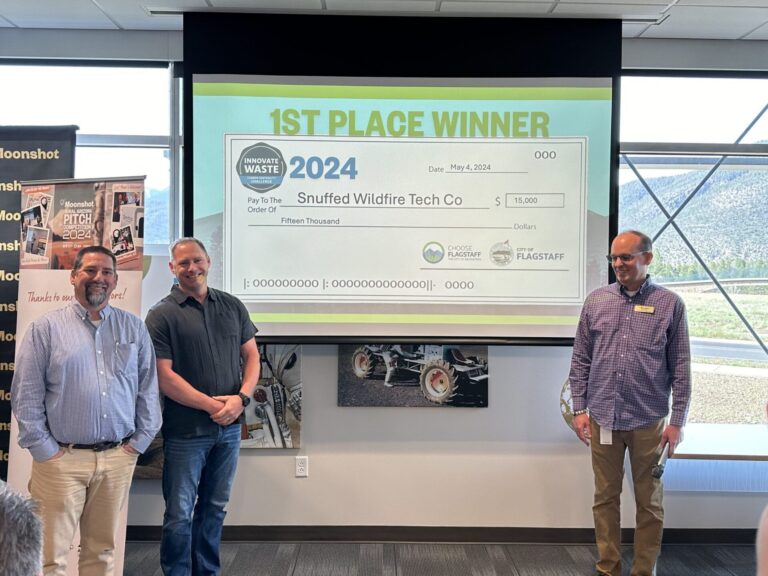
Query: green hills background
725	222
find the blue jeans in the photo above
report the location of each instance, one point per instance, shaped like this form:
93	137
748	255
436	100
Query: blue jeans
197	477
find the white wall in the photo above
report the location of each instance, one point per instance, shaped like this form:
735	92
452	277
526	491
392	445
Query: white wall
513	464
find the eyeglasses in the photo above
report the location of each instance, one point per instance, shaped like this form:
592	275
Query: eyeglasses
623	257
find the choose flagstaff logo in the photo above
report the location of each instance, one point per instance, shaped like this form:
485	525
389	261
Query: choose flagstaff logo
261	167
433	252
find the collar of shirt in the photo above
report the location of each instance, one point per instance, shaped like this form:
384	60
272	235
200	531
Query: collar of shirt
82	313
649	283
180	296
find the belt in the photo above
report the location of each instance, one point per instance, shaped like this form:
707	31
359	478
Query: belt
99	447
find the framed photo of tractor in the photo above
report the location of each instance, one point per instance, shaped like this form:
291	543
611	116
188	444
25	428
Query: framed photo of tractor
413	375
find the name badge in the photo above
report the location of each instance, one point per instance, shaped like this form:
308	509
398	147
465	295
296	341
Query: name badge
644	309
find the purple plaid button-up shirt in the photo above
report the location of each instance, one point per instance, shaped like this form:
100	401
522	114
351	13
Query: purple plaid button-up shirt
630	352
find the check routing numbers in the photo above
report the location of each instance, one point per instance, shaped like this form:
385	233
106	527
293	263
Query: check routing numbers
466	207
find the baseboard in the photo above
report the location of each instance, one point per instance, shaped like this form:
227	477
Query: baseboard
450	534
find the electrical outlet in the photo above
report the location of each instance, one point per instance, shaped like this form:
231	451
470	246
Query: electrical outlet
302	466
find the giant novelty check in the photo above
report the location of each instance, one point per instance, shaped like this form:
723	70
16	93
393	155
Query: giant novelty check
321	219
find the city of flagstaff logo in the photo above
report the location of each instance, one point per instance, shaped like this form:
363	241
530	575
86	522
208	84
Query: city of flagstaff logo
261	167
501	253
433	252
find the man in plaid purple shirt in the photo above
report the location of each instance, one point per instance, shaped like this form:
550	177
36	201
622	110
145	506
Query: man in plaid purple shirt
630	353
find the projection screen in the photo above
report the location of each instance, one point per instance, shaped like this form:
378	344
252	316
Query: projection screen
433	208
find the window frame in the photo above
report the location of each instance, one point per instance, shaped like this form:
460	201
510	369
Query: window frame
173	142
660	154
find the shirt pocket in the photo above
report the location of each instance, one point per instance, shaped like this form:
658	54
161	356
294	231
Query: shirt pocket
227	336
228	328
125	359
649	331
229	342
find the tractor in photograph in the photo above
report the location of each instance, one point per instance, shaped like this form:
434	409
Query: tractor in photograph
440	370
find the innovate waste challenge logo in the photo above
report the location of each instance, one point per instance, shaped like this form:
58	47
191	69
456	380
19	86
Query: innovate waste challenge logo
433	252
261	167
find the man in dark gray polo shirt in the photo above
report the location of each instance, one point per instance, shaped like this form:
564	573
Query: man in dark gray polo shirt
200	336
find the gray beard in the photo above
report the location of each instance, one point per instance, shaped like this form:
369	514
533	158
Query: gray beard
95	299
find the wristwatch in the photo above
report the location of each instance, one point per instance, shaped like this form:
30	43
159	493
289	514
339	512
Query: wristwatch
244	399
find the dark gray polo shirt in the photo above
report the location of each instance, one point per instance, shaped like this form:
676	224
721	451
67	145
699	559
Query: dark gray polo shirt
203	341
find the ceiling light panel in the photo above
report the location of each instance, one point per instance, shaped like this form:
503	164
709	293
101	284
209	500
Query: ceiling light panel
72	14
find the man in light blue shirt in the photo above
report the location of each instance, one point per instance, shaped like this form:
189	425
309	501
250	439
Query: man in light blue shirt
86	398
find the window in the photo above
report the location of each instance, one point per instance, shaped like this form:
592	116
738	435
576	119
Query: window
124	118
694	176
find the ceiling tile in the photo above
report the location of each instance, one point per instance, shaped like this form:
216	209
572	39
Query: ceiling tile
506	8
151	21
760	34
55	14
255	5
631	30
382	5
135	15
624	11
662	3
708	23
725	3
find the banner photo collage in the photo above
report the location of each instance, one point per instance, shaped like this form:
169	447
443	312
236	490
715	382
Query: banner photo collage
58	218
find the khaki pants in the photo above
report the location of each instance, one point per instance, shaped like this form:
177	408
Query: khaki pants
85	487
608	466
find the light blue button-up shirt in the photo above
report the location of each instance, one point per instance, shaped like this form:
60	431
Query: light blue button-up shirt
78	383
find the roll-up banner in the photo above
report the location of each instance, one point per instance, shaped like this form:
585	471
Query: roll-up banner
58	218
26	153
